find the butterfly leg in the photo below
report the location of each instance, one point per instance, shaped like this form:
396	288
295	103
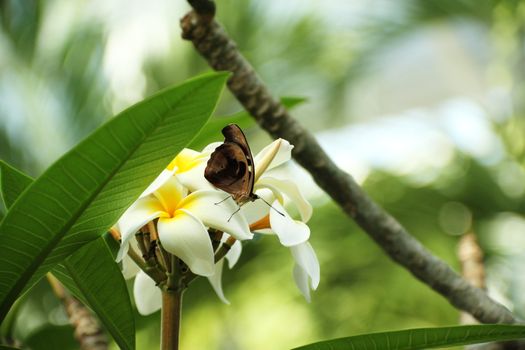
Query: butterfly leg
235	212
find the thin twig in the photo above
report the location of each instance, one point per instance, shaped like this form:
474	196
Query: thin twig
215	236
152	231
148	266
139	236
224	249
212	42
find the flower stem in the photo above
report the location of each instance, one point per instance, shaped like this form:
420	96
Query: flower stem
147	266
171	314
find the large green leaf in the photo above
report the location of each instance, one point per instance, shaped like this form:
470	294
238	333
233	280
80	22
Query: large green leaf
12	183
423	338
90	274
3	347
93	276
84	192
52	337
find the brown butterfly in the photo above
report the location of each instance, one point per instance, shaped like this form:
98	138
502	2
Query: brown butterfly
230	167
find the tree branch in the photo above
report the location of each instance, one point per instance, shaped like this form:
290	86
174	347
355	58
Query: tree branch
88	331
212	42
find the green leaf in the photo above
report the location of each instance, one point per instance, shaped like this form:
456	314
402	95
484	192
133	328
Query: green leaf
423	338
212	129
53	337
91	274
12	183
291	102
80	196
3	347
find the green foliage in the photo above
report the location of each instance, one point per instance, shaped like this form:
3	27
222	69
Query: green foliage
20	19
78	63
12	183
83	193
415	339
53	338
93	276
361	290
90	274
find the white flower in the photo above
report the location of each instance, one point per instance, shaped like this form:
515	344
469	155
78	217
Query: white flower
280	193
289	231
182	221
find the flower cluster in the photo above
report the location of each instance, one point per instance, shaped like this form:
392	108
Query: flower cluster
186	207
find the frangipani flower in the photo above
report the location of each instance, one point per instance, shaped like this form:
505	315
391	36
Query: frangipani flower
276	220
184	205
182	221
289	231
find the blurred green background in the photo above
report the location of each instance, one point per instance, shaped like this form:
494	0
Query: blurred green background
420	100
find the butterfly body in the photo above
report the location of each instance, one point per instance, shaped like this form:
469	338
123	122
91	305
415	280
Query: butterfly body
230	167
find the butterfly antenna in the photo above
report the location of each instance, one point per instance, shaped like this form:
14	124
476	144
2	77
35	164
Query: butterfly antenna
271	206
223	201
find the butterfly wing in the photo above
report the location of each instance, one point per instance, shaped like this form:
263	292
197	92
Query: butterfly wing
230	167
233	133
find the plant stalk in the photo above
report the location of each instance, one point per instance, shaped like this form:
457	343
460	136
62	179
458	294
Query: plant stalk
171	315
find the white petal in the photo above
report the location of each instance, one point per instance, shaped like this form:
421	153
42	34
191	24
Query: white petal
289	189
129	268
217	211
185	236
301	280
216	281
234	254
194	179
187	159
191	166
211	147
148	296
283	154
290	232
304	256
164	176
254	211
139	214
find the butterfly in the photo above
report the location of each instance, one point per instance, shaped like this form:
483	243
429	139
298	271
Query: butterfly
230	167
